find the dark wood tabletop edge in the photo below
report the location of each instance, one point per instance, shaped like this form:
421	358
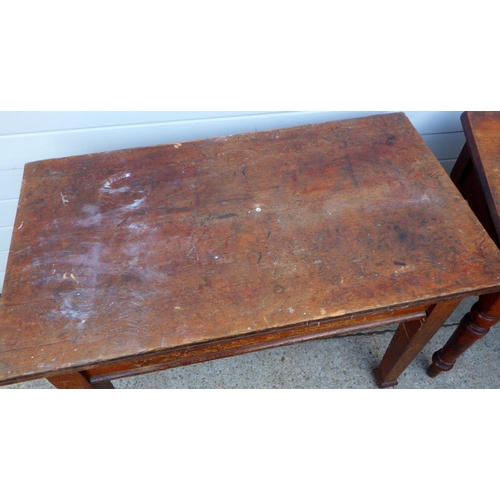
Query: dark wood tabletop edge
33	165
467	122
84	366
145	354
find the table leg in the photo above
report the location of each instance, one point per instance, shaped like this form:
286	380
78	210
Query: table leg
484	314
408	341
462	165
77	380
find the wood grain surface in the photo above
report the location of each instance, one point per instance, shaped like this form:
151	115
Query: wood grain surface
141	251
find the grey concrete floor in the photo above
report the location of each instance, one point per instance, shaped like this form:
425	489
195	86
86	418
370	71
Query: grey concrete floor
336	363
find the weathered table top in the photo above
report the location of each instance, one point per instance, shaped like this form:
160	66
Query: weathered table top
482	131
143	250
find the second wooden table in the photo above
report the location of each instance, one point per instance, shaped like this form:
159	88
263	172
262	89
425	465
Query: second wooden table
477	176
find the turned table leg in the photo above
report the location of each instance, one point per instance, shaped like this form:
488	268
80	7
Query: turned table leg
484	314
408	341
77	380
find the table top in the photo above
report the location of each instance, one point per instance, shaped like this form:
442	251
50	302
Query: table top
143	250
482	131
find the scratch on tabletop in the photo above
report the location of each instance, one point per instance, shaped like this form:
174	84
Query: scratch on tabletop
193	248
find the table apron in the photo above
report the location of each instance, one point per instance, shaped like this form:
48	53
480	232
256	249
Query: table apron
207	351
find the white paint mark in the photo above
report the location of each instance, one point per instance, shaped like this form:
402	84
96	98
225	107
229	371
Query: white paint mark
115	178
139	227
290	310
64	199
123	189
136	203
258	209
21	225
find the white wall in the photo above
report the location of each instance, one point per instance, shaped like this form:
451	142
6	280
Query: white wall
31	136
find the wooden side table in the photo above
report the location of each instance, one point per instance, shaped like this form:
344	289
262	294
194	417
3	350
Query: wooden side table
132	261
477	176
